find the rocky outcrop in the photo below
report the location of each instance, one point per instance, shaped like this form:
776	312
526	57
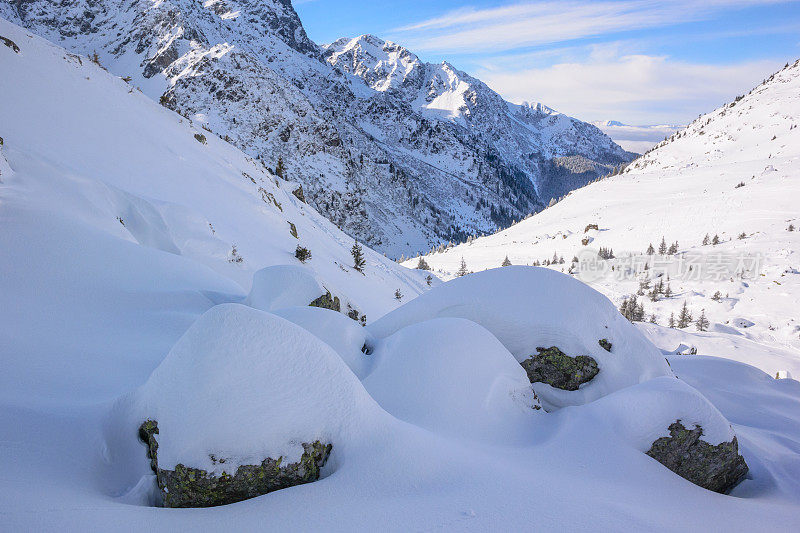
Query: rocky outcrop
554	367
605	344
327	301
193	487
718	468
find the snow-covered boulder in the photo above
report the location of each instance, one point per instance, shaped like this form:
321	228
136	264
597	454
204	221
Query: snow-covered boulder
281	286
245	403
451	376
346	336
677	426
528	308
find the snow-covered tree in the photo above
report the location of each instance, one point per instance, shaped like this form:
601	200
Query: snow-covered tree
422	264
715	241
662	248
685	317
462	270
506	262
671	322
398	295
358	257
702	322
650	249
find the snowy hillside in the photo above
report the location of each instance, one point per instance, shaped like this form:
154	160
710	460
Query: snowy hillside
170	364
733	173
398	177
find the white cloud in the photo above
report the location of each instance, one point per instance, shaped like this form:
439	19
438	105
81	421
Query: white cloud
635	89
535	23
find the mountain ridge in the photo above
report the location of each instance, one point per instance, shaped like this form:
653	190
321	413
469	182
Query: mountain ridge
399	179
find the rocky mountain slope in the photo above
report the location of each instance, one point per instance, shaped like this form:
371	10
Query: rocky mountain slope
401	164
732	173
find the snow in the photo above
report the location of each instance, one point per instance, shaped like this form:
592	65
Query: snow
344	335
281	286
244	385
732	171
556	310
451	376
119	302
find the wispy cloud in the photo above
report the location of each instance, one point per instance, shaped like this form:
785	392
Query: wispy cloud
541	22
639	89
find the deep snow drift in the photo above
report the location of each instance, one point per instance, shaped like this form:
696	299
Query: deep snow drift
122	299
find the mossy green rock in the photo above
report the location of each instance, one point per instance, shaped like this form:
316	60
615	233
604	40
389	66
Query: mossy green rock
718	468
605	344
193	487
327	301
554	367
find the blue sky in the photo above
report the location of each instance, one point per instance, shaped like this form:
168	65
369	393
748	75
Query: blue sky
637	61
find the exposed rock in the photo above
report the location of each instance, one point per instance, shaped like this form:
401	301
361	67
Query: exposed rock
554	367
11	44
298	192
605	344
718	468
193	487
327	301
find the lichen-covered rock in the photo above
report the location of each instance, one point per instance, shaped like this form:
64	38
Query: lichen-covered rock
554	367
718	468
327	301
605	344
193	487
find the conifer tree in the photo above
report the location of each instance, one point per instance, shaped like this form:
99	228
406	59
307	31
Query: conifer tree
662	248
702	322
398	295
506	262
671	322
462	270
706	240
650	249
685	317
280	169
358	257
715	241
422	264
428	279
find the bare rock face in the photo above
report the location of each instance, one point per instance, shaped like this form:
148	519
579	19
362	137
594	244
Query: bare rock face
718	468
554	367
193	487
327	301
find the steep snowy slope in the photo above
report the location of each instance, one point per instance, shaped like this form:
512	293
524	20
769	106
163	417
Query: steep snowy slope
117	225
397	178
734	173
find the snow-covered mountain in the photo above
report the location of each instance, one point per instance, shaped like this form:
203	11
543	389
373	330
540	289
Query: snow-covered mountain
400	162
731	173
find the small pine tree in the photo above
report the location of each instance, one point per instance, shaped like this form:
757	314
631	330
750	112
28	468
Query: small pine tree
422	264
715	241
673	248
653	319
280	169
685	317
702	322
429	279
742	235
671	322
358	257
398	295
650	249
662	248
791	227
235	257
302	254
462	270
506	262
717	296
667	291
706	240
